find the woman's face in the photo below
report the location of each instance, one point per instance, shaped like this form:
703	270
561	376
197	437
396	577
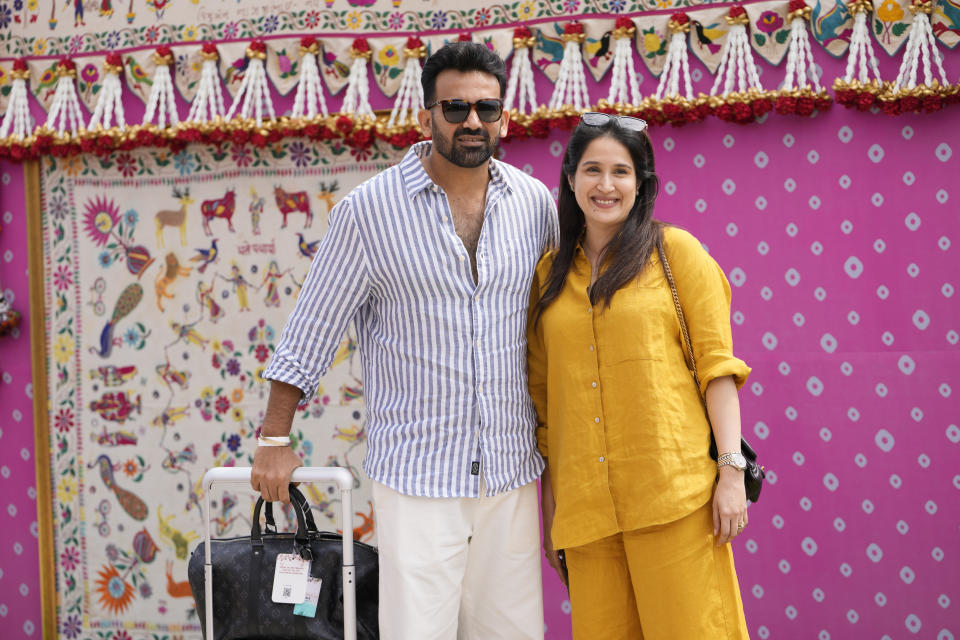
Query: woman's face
605	184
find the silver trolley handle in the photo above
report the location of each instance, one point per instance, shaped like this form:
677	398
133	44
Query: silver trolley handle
329	475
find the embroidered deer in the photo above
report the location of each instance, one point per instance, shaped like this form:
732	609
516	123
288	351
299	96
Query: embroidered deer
175	217
219	208
289	202
326	193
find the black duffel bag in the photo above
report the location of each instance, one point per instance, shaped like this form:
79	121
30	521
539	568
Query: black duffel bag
243	572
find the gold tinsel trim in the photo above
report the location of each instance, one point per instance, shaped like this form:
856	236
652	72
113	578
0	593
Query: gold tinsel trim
574	37
676	27
741	19
804	13
524	43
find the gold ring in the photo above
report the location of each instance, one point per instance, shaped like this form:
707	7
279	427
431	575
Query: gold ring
740	526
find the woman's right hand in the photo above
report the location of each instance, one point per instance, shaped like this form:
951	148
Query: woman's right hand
548	507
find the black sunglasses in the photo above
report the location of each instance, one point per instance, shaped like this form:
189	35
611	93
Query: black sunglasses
598	119
457	111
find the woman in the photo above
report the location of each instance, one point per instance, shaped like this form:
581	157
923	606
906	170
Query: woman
630	494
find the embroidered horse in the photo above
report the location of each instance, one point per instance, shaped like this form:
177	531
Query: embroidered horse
219	208
290	202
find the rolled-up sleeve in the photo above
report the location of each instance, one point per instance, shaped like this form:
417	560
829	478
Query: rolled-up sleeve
705	299
334	290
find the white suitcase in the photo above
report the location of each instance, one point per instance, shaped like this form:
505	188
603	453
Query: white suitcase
332	475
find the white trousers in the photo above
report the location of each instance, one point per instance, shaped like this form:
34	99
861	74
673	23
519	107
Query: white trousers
459	568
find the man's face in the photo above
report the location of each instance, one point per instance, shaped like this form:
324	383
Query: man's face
472	142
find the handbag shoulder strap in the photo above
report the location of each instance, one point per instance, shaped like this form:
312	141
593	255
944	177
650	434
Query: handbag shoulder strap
683	321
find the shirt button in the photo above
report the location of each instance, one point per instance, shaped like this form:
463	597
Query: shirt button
594	384
601	458
591	347
444	218
589	309
462	258
433	188
479	388
597	420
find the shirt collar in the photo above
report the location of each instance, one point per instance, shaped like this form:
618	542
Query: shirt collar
416	178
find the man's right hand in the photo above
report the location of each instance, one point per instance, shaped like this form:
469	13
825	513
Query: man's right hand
272	467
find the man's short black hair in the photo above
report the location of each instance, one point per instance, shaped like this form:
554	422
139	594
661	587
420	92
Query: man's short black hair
461	56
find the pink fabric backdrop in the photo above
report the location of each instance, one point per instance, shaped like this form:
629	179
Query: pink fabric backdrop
838	235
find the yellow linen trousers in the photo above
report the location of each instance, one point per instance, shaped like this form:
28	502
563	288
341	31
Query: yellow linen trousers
666	581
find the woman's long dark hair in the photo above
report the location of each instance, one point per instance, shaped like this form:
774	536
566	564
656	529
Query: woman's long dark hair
630	249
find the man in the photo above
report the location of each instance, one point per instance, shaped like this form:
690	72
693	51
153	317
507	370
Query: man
433	261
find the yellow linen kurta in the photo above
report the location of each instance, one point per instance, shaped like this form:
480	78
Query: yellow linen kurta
619	418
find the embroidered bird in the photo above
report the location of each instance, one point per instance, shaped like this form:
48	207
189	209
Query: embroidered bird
307	249
598	48
707	34
206	256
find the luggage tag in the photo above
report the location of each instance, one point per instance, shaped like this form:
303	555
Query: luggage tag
308	608
290	579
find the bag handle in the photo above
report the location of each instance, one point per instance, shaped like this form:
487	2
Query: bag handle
270	525
683	322
688	342
302	535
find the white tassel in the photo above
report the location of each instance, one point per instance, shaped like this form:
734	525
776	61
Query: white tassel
861	49
404	107
857	88
66	105
16	120
161	103
800	64
571	86
920	44
624	71
521	84
254	90
207	105
356	102
736	58
677	63
110	100
309	100
801	93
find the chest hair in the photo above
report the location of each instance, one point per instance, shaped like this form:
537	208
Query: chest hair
468	222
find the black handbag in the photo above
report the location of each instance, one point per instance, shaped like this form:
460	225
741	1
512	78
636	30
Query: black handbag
754	474
243	572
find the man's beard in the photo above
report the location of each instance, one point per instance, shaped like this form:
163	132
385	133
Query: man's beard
467	158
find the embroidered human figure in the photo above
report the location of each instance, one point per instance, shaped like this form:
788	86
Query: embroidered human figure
206	300
239	287
273	275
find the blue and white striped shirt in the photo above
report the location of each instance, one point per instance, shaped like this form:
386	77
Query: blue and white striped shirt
444	359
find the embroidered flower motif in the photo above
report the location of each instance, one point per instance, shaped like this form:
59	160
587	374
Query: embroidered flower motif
116	594
769	22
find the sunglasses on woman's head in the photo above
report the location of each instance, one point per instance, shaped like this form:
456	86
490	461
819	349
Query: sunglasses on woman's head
457	111
598	119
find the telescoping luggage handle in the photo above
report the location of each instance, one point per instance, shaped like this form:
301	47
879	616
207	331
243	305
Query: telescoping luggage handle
335	475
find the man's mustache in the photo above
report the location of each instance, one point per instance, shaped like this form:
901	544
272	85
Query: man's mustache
476	133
